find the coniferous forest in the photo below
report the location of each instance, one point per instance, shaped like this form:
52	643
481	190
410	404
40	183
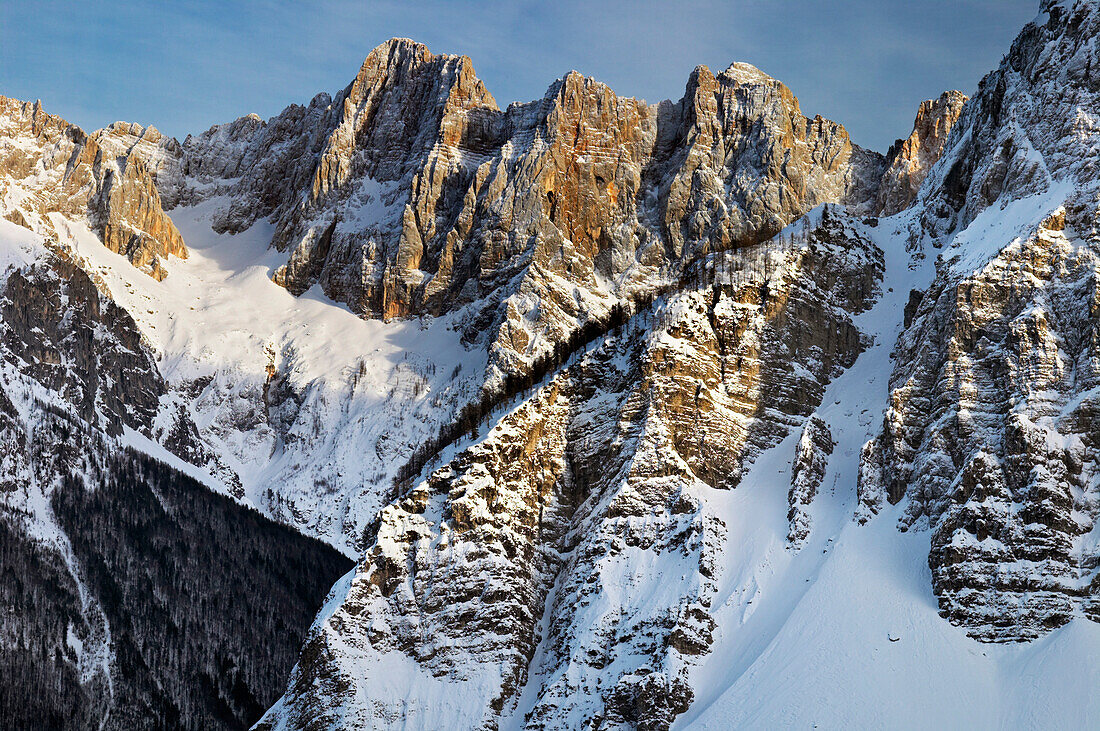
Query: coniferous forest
206	603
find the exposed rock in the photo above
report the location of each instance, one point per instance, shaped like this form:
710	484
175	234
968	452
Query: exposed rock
48	166
411	193
61	332
990	436
491	578
910	160
59	329
811	457
1031	123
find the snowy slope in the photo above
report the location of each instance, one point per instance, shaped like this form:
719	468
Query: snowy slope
853	482
311	407
846	632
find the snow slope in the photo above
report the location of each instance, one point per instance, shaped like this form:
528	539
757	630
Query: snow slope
845	633
354	395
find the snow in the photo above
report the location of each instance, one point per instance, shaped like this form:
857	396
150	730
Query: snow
845	633
1000	225
833	664
19	247
841	632
369	390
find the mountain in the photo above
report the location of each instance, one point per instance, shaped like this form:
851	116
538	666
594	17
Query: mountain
991	432
690	414
132	594
55	168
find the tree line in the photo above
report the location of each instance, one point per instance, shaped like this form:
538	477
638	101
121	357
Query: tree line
704	270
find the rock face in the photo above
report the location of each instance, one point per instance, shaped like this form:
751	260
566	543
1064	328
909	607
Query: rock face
908	161
411	193
811	458
49	166
58	328
991	437
1028	125
578	552
490	581
42	308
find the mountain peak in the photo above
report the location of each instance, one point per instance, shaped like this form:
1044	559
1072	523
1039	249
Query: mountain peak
909	161
60	169
746	73
397	50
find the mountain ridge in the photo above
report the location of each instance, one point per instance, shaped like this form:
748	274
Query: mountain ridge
760	410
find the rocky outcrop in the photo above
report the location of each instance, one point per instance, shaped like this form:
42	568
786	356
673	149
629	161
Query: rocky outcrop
490	580
58	328
48	166
909	161
990	438
410	193
62	333
1030	124
161	155
811	458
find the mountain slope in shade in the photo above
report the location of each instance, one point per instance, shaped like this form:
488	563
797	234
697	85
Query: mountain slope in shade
991	436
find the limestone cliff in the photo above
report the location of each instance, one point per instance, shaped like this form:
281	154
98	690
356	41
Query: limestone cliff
411	193
492	577
990	436
908	161
48	166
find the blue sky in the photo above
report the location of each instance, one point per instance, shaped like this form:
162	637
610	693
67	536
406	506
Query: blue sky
183	66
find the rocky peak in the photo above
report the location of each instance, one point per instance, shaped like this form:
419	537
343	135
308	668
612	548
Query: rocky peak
401	99
989	437
133	130
52	167
410	192
1031	123
747	161
909	160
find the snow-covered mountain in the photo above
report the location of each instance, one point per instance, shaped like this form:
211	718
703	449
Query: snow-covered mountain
689	414
133	595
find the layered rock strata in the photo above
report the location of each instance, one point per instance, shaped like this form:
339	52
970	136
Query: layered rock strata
491	581
411	193
908	161
48	166
990	436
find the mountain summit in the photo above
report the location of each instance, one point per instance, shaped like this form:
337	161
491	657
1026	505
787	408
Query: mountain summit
633	416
